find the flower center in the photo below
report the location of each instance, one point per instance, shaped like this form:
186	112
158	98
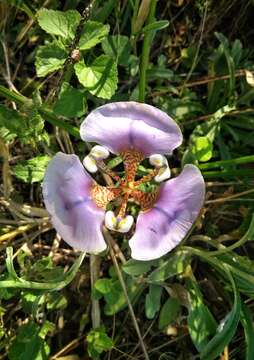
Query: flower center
125	188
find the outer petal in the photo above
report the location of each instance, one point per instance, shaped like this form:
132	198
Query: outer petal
122	125
66	193
162	228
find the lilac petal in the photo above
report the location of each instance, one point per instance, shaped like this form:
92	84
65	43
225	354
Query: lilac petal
162	228
66	193
123	125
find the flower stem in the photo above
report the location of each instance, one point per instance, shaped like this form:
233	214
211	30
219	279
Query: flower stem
95	261
120	277
145	53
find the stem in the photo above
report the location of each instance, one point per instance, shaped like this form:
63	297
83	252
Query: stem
228	173
145	53
47	115
120	277
240	160
95	261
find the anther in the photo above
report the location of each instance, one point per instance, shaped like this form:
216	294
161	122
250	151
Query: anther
161	164
97	154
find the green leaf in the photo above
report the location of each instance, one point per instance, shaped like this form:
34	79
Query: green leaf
202	148
100	78
135	267
247	322
32	170
92	34
98	341
157	25
201	322
169	312
56	301
118	47
226	328
104	286
153	301
176	264
59	23
71	102
28	344
49	58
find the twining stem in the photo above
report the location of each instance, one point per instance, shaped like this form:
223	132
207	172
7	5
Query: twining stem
120	277
145	53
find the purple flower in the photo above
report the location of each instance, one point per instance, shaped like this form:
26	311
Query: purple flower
77	204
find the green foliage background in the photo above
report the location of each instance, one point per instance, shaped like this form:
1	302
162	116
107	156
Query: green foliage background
195	61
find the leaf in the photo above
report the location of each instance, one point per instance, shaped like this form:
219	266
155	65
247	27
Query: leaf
118	47
71	102
226	328
98	341
153	300
157	25
135	267
176	264
28	344
59	23
100	78
32	170
201	322
104	286
202	148
49	58
169	312
247	322
92	34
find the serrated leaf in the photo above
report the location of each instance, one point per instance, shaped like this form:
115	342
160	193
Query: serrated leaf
153	301
169	312
59	23
118	47
49	58
92	34
71	102
32	170
100	78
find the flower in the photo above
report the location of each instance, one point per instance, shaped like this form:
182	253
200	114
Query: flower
77	204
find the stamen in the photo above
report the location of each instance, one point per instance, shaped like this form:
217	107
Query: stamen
114	223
